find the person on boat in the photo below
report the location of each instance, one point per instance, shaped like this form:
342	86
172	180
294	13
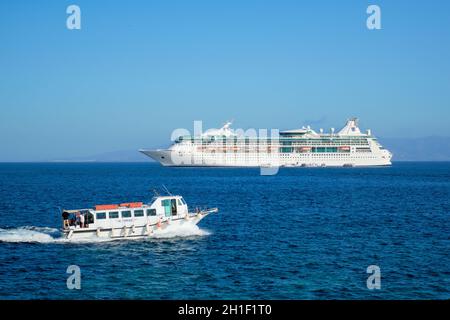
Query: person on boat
88	218
77	219
72	219
81	221
65	216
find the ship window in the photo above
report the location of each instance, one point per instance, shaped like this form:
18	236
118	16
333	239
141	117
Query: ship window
100	215
126	214
167	207
113	215
138	213
179	202
151	212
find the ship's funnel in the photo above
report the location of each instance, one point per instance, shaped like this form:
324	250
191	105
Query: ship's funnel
350	128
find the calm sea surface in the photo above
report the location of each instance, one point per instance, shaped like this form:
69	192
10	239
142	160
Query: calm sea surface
306	233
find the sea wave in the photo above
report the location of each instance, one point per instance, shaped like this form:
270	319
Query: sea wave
32	234
175	231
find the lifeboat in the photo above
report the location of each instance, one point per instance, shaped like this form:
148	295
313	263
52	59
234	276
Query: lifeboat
131	204
305	149
106	206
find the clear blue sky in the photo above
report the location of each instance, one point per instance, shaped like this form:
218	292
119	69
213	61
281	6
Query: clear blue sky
139	69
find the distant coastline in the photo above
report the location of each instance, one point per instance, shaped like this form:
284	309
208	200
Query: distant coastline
151	161
425	149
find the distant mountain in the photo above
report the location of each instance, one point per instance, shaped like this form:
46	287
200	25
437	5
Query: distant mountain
418	149
404	149
113	156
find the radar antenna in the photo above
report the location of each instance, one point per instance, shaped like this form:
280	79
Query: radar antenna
155	192
354	119
167	190
227	124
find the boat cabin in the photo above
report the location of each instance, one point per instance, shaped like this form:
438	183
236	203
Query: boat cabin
163	208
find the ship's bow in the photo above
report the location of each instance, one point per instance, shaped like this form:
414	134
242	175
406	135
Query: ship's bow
160	155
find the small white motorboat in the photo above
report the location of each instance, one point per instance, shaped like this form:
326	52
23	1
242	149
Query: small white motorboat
130	220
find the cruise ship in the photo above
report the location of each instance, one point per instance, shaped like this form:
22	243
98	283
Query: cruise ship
302	147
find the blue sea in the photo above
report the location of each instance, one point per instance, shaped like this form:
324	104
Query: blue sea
305	233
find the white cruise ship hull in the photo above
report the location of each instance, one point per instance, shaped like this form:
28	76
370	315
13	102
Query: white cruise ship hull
172	158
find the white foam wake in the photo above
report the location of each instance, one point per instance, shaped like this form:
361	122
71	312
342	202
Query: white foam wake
183	230
30	234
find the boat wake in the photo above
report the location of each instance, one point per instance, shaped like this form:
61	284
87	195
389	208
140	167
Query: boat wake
176	231
31	234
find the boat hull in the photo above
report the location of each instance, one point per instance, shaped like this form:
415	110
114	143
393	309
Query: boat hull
131	232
